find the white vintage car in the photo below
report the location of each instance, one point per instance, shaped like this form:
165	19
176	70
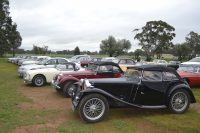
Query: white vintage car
41	76
36	60
48	63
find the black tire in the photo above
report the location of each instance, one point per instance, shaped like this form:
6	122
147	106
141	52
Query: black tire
39	80
99	108
179	101
67	87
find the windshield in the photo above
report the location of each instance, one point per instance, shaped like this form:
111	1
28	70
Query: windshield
66	67
194	60
188	68
92	67
42	62
133	75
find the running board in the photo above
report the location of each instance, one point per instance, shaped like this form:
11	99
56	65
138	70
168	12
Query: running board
154	107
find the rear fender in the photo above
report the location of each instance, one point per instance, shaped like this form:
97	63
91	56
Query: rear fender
183	86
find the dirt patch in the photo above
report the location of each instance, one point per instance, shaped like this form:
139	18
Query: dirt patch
44	98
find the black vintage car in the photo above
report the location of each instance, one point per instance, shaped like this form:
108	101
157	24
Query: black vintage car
147	86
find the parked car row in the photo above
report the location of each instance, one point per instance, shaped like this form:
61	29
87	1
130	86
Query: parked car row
97	84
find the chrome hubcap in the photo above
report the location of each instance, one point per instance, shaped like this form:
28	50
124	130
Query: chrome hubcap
71	90
39	81
179	101
94	109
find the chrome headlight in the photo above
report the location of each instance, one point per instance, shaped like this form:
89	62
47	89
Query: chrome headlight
86	84
26	76
81	82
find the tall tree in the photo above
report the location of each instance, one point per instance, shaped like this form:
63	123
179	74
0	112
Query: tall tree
114	47
155	37
77	51
15	39
10	38
193	39
4	14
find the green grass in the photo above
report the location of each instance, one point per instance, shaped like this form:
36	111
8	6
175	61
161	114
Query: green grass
196	91
117	120
11	116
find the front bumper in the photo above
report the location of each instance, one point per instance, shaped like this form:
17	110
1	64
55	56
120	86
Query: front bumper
27	81
55	85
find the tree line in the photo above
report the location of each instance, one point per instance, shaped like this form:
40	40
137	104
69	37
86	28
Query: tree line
154	38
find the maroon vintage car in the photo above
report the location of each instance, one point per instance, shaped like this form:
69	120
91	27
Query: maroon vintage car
65	82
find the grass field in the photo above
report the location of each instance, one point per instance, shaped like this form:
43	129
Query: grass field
36	116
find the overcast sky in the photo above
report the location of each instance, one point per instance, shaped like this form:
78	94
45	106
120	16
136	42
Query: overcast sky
65	24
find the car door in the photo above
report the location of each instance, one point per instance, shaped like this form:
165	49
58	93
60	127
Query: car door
151	90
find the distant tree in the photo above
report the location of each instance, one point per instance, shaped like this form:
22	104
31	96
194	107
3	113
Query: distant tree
40	50
193	39
155	37
138	53
182	51
112	47
10	38
124	45
77	51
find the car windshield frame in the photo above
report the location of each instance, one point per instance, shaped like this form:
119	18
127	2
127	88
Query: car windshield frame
133	75
93	67
188	68
42	62
195	60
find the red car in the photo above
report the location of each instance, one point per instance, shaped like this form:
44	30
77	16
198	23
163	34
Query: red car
65	82
191	73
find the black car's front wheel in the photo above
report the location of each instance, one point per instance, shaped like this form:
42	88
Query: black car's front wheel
93	108
179	101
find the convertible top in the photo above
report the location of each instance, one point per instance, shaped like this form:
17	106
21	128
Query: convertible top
153	68
104	63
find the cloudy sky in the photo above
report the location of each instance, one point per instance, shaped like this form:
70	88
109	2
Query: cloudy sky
65	24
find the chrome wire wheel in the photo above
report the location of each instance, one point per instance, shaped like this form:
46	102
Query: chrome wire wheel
94	109
179	101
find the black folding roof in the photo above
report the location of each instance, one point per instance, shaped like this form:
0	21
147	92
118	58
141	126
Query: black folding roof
153	68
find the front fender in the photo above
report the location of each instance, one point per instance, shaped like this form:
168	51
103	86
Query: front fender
68	78
184	86
106	94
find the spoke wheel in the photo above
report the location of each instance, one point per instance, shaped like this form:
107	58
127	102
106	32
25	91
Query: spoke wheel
93	108
179	101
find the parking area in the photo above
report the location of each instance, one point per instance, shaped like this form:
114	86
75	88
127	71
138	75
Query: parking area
25	108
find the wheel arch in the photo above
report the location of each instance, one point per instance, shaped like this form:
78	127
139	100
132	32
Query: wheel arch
180	86
108	96
45	80
40	75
